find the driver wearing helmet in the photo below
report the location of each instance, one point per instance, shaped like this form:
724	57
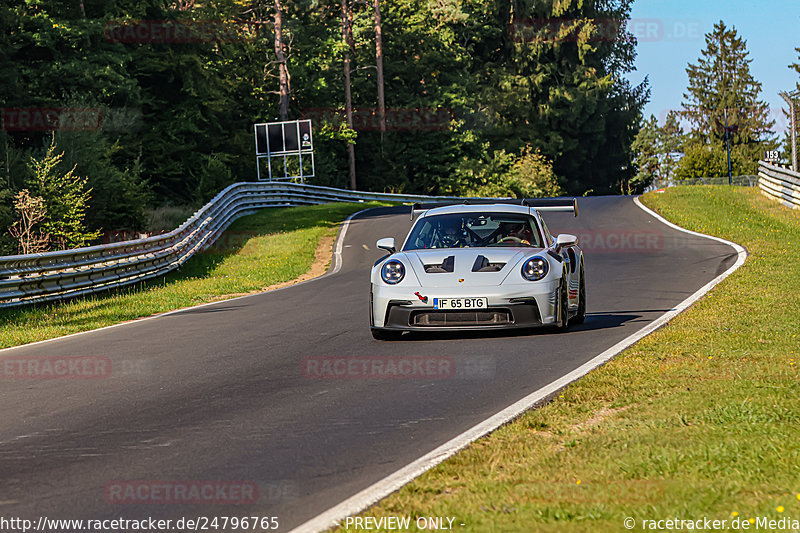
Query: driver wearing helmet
451	235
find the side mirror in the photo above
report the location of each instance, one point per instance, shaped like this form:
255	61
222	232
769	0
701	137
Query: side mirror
387	243
564	240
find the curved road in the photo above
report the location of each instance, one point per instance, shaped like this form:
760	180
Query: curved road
228	391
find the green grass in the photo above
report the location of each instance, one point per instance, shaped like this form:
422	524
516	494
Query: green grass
699	419
269	247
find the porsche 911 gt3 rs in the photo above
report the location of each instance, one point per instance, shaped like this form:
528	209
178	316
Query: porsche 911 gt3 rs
479	266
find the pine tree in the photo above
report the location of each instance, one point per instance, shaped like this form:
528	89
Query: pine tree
466	63
671	139
558	81
646	147
652	148
65	199
720	81
349	49
280	55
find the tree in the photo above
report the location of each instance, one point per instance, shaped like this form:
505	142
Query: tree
347	37
65	198
652	148
379	67
283	71
720	81
119	195
672	139
528	175
531	176
711	161
557	81
31	210
646	148
489	89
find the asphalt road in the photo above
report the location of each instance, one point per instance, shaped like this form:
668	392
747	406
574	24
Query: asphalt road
227	392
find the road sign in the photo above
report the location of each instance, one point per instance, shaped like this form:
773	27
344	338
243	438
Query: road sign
288	149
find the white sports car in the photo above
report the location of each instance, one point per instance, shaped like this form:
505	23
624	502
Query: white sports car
479	266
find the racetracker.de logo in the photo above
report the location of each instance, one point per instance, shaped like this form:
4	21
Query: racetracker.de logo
51	118
34	367
368	119
69	119
621	241
178	31
378	367
182	492
559	30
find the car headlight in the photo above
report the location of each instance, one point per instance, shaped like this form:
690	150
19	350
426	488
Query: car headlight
535	268
393	272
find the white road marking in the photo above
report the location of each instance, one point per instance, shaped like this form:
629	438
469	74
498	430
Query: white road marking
337	254
393	482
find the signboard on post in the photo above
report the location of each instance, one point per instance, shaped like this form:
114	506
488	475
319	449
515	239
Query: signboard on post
287	148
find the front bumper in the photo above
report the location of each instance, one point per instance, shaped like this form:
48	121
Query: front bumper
509	306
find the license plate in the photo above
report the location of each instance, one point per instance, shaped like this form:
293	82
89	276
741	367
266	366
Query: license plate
460	303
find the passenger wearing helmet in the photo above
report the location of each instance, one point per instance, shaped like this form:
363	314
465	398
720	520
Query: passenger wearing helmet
518	233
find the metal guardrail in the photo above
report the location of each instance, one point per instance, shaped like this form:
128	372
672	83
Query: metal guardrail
780	184
745	181
57	275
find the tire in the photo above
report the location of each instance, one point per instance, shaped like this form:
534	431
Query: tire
581	315
384	335
563	307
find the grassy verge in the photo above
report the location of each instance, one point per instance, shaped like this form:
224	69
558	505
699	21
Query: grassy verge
269	247
700	419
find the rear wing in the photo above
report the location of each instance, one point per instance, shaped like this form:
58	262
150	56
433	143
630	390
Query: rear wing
540	204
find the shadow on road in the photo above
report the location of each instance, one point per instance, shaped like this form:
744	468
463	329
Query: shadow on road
594	321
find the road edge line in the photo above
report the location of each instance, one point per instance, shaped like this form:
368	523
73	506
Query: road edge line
393	482
337	251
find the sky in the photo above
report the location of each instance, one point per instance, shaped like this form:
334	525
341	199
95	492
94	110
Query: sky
671	35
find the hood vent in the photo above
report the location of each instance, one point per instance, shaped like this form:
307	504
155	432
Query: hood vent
447	266
483	265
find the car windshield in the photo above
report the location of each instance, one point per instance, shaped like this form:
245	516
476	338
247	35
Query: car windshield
470	230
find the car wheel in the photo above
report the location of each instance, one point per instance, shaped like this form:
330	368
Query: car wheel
384	335
581	315
563	307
